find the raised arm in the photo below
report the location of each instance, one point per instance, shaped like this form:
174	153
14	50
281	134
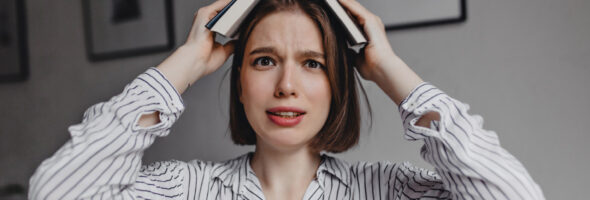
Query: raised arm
198	57
469	161
102	159
380	64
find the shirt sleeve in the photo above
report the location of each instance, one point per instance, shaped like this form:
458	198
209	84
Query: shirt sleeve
469	161
103	157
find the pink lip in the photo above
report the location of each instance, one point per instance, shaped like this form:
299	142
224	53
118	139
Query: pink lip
282	121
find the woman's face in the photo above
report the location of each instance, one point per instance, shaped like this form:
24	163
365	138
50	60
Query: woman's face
284	88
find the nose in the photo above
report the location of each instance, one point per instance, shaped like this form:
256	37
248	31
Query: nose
287	82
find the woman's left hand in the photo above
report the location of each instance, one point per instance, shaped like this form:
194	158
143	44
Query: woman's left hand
378	53
378	62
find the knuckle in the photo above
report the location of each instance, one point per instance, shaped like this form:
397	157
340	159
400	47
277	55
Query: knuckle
378	20
375	18
202	10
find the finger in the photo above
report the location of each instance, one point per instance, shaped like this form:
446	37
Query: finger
371	23
198	30
217	6
356	9
206	13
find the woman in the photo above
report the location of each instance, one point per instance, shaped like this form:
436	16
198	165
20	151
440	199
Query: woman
293	95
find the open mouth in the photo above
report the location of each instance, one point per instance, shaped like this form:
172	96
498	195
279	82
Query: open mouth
286	114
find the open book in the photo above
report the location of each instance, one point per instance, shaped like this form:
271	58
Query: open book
226	23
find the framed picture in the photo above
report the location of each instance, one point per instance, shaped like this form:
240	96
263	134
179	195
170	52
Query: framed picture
14	64
403	14
122	28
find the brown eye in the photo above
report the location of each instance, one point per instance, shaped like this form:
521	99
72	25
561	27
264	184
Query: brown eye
313	64
263	61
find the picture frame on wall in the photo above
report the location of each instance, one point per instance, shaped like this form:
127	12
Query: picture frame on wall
124	28
14	64
405	14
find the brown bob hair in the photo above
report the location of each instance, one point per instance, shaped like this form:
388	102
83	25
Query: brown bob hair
342	127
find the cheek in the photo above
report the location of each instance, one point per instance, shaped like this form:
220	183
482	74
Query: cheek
254	92
319	94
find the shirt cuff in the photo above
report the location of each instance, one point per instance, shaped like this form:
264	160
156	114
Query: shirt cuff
148	93
424	98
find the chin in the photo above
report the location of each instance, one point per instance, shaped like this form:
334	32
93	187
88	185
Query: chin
285	139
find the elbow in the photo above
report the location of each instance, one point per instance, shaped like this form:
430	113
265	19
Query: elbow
42	187
36	189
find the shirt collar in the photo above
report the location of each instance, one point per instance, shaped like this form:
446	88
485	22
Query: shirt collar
233	173
333	167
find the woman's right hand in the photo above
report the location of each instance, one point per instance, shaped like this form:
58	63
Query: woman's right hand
200	54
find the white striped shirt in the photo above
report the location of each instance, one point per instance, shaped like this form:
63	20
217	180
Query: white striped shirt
102	160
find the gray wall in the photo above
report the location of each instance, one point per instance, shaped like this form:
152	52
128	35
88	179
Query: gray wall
522	64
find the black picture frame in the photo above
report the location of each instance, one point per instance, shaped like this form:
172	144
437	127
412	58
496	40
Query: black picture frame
153	27
423	13
14	65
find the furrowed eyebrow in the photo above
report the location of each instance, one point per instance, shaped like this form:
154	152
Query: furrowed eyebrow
263	50
312	54
271	50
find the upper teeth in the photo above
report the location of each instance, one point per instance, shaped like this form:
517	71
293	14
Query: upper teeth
290	114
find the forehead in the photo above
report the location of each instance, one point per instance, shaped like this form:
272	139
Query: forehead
286	31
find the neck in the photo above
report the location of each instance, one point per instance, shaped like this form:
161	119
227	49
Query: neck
285	172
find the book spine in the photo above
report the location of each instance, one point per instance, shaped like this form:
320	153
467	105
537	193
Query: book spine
213	21
229	22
